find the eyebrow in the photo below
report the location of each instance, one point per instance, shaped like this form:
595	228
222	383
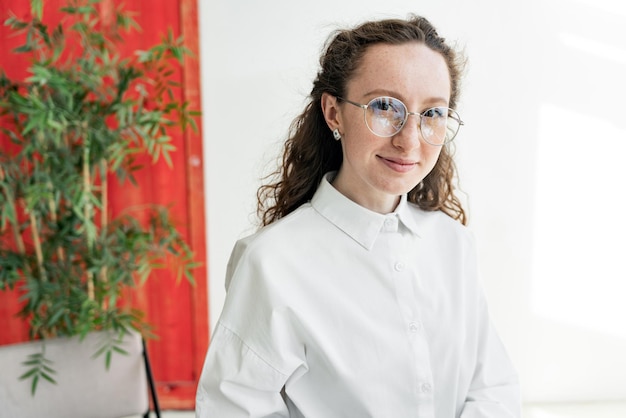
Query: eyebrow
384	92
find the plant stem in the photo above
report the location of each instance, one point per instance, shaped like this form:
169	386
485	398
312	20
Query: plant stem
53	216
87	206
19	242
104	216
104	168
37	244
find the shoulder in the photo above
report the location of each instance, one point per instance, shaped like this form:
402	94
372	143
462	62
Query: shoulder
276	241
280	232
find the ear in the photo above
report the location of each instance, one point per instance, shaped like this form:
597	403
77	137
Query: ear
332	112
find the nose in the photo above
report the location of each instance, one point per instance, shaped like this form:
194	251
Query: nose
410	136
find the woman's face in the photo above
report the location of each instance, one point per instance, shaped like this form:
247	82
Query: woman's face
375	170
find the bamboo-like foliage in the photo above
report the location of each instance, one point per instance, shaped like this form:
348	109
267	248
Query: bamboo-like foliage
82	118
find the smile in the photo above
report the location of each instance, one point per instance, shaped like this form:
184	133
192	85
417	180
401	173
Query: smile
398	165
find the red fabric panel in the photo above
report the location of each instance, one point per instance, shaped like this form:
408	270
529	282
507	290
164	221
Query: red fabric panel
178	311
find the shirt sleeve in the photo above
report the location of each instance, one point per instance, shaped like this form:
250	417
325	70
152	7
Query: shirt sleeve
253	350
236	382
494	390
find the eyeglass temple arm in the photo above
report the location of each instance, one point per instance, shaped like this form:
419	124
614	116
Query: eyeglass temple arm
362	106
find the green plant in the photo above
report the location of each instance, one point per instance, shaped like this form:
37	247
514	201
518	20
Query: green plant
82	118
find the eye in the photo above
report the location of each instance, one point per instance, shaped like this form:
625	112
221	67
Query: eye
436	113
386	107
381	104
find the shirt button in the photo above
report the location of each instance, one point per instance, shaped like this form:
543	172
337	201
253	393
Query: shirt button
399	266
388	222
414	326
426	388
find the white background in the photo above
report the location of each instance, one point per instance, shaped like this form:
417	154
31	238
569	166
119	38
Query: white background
540	159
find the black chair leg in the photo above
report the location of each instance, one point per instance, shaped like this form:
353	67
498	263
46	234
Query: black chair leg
153	394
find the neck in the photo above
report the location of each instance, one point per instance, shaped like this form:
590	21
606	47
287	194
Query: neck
381	203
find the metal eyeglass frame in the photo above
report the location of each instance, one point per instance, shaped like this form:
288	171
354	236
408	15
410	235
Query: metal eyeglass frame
451	114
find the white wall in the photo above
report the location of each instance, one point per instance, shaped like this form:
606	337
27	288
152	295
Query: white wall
539	159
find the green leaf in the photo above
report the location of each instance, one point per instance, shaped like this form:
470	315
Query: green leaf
144	56
107	360
68	9
23	49
178	53
49	369
15	24
40	368
56	316
30	372
120	350
36	8
48	378
33	387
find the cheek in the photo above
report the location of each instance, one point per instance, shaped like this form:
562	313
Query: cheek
359	145
432	154
431	158
352	153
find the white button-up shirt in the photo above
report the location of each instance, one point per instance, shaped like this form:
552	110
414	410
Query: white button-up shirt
338	311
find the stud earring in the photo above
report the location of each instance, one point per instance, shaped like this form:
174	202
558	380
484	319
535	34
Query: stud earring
336	135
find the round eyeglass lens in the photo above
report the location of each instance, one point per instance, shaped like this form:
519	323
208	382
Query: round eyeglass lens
385	116
439	125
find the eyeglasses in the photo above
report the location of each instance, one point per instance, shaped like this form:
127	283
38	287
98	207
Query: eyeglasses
386	116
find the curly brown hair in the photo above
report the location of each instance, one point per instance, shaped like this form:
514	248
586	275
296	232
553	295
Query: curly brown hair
310	151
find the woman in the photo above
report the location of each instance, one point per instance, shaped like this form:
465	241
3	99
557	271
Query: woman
359	296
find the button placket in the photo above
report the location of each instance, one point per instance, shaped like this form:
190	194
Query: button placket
414	326
404	273
390	224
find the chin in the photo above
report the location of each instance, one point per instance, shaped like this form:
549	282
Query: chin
400	190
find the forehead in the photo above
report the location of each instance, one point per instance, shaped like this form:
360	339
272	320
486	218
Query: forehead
411	70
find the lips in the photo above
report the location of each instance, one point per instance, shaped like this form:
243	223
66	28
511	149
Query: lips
398	164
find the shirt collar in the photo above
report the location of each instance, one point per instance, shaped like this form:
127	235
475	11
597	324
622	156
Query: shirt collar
360	223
